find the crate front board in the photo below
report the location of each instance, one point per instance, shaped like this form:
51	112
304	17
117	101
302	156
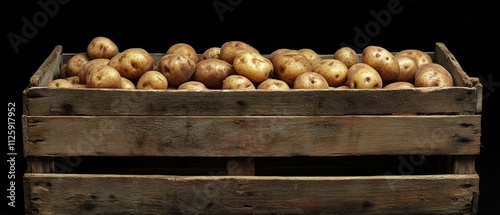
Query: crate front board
243	128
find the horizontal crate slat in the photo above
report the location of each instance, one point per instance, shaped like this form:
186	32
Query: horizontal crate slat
251	135
156	194
452	100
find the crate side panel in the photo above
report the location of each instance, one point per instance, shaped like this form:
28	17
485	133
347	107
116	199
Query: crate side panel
253	136
109	102
129	194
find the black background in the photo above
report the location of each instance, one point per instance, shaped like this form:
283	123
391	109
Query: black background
469	29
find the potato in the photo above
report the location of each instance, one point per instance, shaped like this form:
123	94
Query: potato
184	49
288	66
407	68
103	76
75	64
253	65
363	76
60	83
310	54
399	85
420	56
273	84
132	63
127	84
345	87
177	68
237	82
347	55
151	80
382	61
212	72
310	80
192	85
212	52
85	69
333	70
73	79
102	47
433	75
230	49
281	51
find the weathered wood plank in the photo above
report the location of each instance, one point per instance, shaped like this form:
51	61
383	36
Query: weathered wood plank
447	60
48	70
252	136
157	194
453	100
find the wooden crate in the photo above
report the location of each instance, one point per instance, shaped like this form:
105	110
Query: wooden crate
109	151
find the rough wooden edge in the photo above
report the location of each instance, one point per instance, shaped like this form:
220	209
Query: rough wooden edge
479	94
48	70
40	165
448	61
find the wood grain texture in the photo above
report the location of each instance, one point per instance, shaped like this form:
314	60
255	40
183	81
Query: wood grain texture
49	69
252	135
156	194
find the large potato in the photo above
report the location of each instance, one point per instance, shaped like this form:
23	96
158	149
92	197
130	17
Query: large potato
75	64
132	62
419	56
363	76
183	49
230	49
253	65
433	75
237	82
333	70
177	68
381	60
310	54
103	76
102	47
347	55
407	68
152	80
212	72
288	66
88	66
212	52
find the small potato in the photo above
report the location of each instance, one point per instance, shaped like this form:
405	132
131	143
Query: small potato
433	75
103	76
334	71
102	47
237	82
212	72
183	49
212	52
363	76
127	84
310	54
382	61
407	68
273	84
60	83
347	55
399	85
288	66
177	68
192	85
152	80
132	62
310	80
420	56
230	49
75	64
253	65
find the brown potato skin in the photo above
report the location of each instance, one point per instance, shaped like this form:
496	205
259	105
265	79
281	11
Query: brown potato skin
104	76
212	52
75	64
127	84
177	68
253	65
230	49
381	60
334	71
363	76
407	68
347	55
433	75
310	80
102	47
183	49
212	72
60	83
237	82
288	66
310	54
132	62
151	80
419	56
273	84
399	85
192	85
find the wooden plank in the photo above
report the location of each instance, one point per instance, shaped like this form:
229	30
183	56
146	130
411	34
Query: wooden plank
157	194
447	60
111	102
49	69
249	136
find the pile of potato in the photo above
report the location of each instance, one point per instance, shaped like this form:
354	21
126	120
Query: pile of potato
238	65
